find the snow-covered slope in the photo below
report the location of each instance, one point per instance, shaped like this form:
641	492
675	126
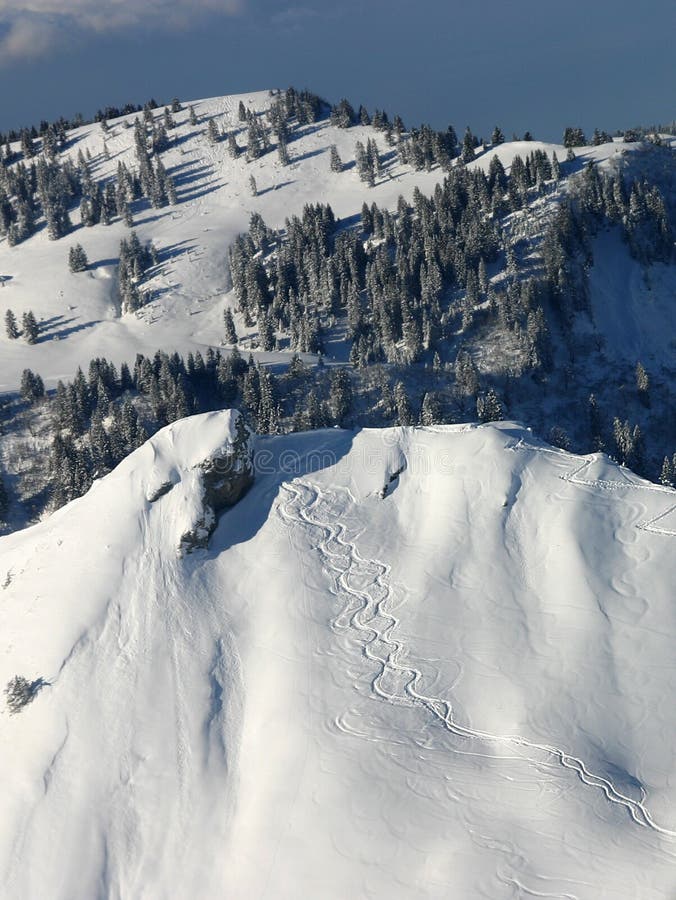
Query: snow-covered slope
215	204
458	686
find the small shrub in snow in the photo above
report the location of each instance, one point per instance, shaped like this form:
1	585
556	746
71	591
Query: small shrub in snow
20	692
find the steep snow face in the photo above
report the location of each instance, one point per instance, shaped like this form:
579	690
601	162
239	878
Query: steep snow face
460	686
633	307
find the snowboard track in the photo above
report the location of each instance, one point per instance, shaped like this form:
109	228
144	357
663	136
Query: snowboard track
367	612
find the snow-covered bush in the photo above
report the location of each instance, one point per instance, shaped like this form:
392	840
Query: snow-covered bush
20	692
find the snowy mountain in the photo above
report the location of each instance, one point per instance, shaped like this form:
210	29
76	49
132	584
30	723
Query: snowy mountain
382	649
413	662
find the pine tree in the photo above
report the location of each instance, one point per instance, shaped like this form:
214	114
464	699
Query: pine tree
233	148
468	146
4	501
30	327
556	167
312	415
212	132
497	137
230	330
342	114
666	475
169	122
340	395
574	137
466	375
430	412
489	408
642	383
77	259
11	326
252	186
32	388
403	405
192	116
336	161
282	153
127	216
27	145
266	332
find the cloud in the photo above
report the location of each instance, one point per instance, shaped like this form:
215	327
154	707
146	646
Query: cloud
296	18
32	27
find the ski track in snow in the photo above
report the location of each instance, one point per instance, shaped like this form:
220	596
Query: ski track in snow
367	612
573	477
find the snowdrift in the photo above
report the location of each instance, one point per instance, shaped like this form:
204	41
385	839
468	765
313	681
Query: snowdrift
460	685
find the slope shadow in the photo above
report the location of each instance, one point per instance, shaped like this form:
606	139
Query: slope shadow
348	222
277	461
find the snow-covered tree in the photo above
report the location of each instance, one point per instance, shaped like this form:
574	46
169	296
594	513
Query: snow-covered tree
403	405
32	388
229	323
497	137
642	381
430	411
336	161
4	500
213	133
31	329
340	395
11	326
489	408
77	259
667	473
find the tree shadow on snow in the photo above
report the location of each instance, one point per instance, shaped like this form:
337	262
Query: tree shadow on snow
172	251
204	190
187	173
100	263
308	155
275	187
65	332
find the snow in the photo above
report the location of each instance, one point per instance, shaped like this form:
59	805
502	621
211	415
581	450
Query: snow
462	689
631	306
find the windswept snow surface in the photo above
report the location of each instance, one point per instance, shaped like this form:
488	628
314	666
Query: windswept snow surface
461	689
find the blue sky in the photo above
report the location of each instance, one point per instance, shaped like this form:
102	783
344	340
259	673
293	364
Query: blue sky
523	64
